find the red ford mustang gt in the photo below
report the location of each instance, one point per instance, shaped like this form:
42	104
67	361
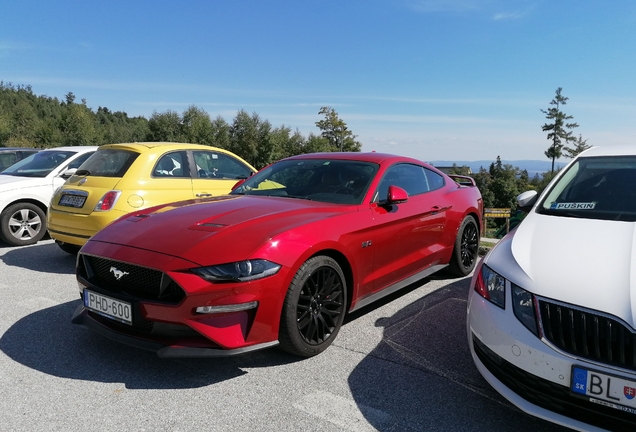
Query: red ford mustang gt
281	259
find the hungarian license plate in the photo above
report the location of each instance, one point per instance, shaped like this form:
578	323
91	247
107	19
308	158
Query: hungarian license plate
109	307
72	200
609	390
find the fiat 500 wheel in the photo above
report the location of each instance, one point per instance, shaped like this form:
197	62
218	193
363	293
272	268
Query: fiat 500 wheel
22	224
314	307
466	248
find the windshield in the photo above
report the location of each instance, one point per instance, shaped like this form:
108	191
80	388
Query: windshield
595	188
333	181
108	163
39	164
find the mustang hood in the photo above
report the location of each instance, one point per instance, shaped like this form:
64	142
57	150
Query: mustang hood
222	229
567	263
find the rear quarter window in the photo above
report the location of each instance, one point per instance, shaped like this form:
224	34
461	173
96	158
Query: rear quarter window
109	163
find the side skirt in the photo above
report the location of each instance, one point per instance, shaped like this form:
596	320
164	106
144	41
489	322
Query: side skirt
398	286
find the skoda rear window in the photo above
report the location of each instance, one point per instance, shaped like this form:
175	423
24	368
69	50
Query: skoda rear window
108	163
595	188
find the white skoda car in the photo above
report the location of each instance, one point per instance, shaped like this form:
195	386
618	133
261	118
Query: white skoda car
552	308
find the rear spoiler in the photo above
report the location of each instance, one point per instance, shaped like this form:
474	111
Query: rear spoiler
463	180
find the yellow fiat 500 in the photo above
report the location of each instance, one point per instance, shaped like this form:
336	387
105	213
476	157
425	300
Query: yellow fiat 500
121	178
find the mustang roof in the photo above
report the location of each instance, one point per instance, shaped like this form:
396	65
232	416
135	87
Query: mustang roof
365	157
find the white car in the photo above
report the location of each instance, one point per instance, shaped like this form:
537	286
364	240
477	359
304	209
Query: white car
26	188
552	308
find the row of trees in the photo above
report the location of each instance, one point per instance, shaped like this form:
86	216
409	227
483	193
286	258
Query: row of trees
28	120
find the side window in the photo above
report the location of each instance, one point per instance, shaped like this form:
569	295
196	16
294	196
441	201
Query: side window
172	165
435	181
219	166
411	178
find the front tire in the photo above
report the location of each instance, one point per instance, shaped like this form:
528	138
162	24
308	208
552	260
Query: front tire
314	307
466	248
22	224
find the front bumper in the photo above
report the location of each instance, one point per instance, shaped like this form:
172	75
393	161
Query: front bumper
532	374
84	317
165	321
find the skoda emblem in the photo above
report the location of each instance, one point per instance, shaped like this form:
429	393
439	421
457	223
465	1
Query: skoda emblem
82	181
118	273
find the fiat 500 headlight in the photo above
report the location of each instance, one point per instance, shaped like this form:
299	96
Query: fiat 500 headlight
240	271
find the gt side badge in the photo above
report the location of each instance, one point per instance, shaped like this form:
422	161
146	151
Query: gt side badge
366	243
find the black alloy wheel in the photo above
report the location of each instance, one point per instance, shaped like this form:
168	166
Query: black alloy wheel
314	307
466	248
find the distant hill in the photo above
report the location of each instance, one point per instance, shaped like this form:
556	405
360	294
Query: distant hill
532	166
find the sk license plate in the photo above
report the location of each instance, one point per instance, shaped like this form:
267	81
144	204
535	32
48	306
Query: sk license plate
72	200
108	307
609	390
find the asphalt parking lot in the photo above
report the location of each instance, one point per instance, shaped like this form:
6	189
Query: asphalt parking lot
402	365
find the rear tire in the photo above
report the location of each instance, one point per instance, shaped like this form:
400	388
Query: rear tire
466	248
22	224
68	247
314	307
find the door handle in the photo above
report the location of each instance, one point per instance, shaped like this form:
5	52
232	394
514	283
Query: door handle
203	195
435	209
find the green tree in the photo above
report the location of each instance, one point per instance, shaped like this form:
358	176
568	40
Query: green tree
336	132
460	170
77	126
250	139
579	146
557	130
164	127
220	133
197	126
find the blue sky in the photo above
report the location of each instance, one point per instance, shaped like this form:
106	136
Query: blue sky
431	79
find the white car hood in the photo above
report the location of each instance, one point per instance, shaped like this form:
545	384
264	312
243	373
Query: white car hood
583	262
9	182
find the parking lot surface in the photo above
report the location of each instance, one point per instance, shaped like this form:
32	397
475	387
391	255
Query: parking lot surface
400	365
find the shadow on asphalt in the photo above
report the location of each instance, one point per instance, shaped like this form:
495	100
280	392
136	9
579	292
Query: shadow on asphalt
45	257
430	335
47	342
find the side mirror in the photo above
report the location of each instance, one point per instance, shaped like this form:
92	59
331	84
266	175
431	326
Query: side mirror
68	173
526	200
396	195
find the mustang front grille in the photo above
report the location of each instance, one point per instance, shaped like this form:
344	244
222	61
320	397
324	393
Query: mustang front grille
587	334
136	281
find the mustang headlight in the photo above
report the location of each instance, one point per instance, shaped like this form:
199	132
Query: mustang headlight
491	286
240	271
524	308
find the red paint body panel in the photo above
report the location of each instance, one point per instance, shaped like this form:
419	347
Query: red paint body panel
376	245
